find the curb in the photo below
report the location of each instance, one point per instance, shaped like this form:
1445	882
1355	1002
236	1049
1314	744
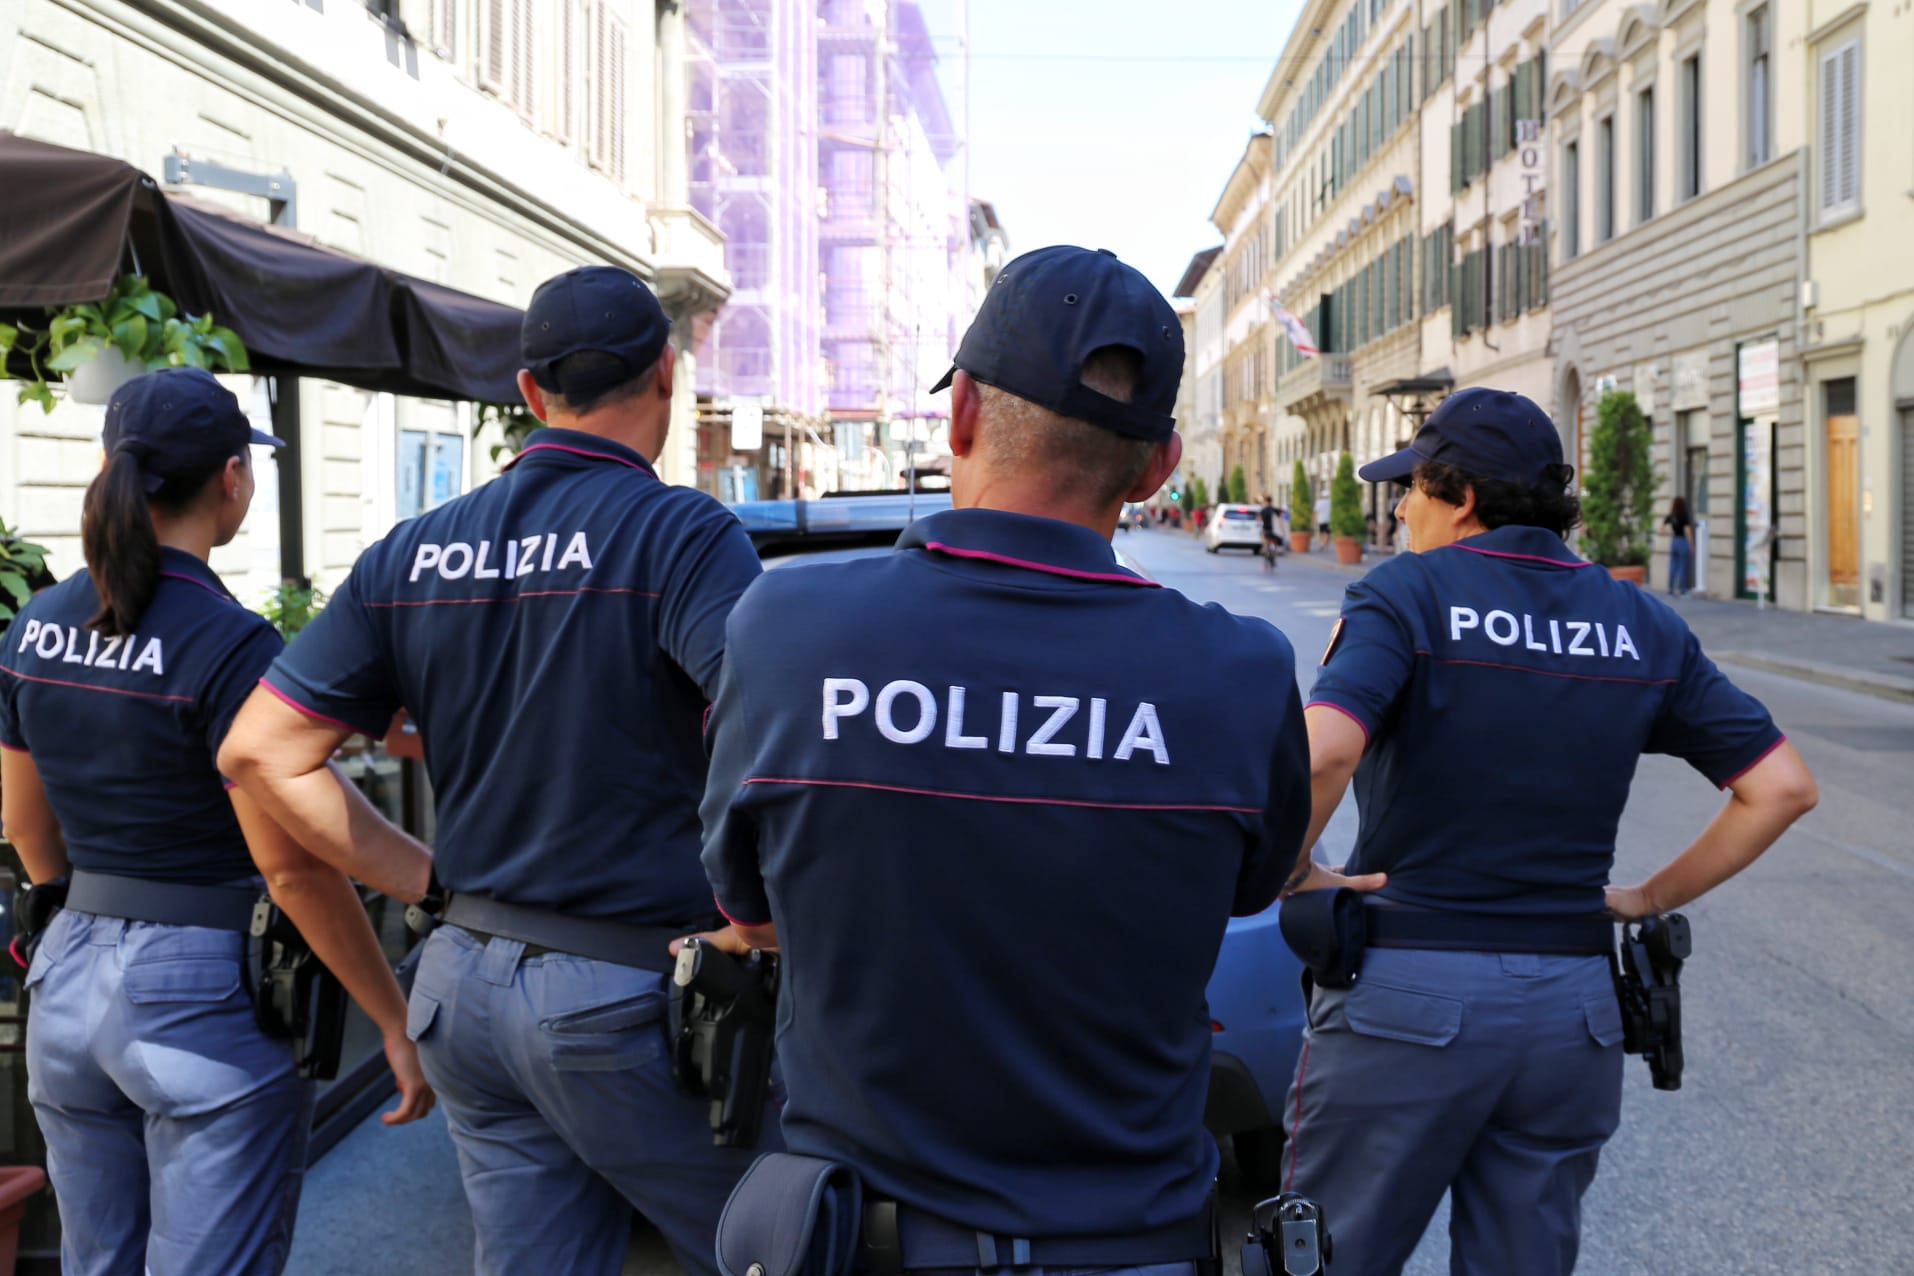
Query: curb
1882	686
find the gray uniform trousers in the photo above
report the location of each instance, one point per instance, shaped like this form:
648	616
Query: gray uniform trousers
1495	1076
175	1128
556	1083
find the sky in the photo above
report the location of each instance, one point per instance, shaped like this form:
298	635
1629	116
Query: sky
1111	123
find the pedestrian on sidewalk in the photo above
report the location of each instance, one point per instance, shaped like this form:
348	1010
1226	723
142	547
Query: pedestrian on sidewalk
1497	692
1681	547
592	640
1322	521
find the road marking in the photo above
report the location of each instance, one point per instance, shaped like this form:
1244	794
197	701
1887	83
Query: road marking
1861	852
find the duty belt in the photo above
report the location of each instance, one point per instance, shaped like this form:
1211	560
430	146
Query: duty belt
548	930
1552	934
898	1238
138	899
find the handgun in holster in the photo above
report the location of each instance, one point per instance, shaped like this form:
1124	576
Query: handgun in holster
294	996
721	1024
1648	983
33	908
1290	1238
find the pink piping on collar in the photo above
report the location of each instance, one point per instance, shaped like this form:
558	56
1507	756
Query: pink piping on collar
194	580
577	451
1520	558
1115	578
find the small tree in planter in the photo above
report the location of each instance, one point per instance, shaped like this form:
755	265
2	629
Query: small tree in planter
1302	508
1238	487
1345	511
23	569
1618	492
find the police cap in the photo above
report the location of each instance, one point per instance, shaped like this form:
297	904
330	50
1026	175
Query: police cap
1491	434
600	308
1048	311
178	423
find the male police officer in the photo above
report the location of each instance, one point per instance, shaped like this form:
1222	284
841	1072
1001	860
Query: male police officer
555	636
1498	692
999	796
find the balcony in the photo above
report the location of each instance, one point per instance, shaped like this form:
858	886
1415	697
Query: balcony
1315	384
688	254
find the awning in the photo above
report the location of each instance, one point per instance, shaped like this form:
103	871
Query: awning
69	218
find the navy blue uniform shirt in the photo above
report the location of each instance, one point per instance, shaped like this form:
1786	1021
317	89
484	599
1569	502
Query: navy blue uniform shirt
124	731
555	635
1000	797
1508	688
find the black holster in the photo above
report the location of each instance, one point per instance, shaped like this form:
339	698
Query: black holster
33	909
295	997
1328	931
1648	984
721	1025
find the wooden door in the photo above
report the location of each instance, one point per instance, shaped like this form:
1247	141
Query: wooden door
1844	516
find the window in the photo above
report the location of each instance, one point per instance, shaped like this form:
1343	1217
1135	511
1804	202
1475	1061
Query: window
1692	429
610	68
1840	142
1571	201
1644	155
1759	90
431	470
1605	180
506	52
1688	180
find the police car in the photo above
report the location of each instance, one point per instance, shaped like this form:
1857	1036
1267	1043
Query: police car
1234	526
1255	995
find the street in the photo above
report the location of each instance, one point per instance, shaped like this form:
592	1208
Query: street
1786	1148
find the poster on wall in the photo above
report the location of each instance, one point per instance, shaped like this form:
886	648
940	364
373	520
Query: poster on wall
1757	507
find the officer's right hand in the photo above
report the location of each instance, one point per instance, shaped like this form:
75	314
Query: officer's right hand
1323	878
415	1094
739	941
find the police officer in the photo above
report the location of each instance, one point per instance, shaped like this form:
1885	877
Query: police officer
175	1127
555	635
1491	693
998	835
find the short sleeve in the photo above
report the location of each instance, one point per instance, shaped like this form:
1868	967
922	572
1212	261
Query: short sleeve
712	567
337	669
730	828
1285	810
233	680
1710	723
1369	660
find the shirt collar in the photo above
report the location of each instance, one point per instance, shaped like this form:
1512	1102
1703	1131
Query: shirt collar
1020	540
177	564
549	444
1522	544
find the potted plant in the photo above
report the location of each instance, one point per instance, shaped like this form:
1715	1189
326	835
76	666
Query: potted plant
1345	511
1238	487
1618	492
1302	508
23	569
516	422
98	345
1200	494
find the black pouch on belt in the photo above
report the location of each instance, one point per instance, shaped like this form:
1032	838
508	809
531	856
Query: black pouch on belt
1327	931
792	1215
294	996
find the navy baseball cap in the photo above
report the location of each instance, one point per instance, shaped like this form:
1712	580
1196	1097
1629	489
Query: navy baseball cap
1048	311
600	308
1491	434
178	423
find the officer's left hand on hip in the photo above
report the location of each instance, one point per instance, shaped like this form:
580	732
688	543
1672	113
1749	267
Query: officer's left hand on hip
1323	878
731	939
1627	903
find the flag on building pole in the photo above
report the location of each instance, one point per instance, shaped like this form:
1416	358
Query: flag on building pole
1298	330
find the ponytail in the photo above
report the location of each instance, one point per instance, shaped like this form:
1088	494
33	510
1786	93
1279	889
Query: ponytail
122	550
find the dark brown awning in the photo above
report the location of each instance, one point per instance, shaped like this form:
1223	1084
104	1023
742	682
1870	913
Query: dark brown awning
70	221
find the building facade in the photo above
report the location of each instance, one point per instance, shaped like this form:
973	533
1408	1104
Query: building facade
482	146
1242	214
1203	370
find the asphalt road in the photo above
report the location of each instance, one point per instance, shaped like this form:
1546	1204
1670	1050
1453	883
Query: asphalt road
1787	1148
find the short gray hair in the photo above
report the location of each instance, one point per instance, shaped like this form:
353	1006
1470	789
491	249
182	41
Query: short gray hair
1080	457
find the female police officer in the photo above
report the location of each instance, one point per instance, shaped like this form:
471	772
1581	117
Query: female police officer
1497	691
175	1127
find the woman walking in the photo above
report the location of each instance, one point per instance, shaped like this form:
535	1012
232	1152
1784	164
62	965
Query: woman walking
1681	547
175	1126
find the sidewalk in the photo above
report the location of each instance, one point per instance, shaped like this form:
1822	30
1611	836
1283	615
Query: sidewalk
1870	657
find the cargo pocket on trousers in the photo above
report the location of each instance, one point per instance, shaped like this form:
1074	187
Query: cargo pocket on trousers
627	1033
421	1011
1402	1014
202	979
1604	1020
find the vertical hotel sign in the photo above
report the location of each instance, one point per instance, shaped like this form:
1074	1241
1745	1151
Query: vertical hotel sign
1757	401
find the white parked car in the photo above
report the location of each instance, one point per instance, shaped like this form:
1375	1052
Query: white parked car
1238	526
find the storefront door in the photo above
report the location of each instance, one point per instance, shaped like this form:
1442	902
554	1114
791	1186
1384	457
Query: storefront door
1843	437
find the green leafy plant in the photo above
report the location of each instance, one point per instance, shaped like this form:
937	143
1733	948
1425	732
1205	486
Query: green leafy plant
22	570
1345	501
1201	492
1618	491
1302	497
291	606
517	423
145	326
1238	487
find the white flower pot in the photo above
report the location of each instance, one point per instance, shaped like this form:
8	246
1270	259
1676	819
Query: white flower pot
95	380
